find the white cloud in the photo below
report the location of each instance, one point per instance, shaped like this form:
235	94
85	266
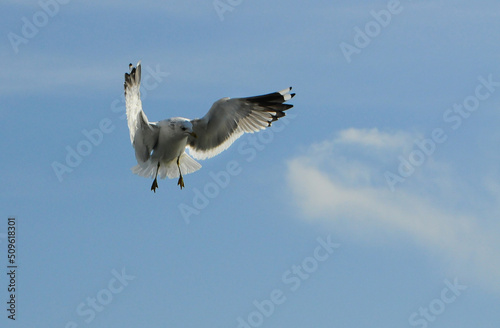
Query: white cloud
373	137
342	187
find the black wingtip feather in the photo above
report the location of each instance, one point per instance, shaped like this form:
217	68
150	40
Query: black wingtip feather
274	97
273	102
132	78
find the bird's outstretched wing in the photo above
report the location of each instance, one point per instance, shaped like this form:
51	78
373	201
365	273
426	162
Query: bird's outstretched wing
229	118
143	134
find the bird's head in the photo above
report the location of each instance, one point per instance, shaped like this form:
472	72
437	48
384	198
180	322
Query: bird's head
187	128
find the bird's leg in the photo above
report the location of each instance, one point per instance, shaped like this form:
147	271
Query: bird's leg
155	182
181	180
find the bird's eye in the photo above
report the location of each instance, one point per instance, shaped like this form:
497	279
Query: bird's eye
183	128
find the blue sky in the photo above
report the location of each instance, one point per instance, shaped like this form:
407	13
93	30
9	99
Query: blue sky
373	204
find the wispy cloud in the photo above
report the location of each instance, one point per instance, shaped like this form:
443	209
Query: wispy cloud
339	185
373	138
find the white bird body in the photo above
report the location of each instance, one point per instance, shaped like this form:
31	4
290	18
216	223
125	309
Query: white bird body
160	146
170	144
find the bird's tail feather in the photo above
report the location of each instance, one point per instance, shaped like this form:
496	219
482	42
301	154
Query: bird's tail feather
167	169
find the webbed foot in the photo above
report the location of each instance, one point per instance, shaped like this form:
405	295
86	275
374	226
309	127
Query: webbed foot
154	185
181	182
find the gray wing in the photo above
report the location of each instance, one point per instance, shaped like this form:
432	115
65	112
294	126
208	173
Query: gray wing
229	118
143	135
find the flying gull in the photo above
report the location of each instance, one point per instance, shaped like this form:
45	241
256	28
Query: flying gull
160	146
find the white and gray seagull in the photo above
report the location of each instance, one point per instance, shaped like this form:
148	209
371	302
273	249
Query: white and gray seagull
160	146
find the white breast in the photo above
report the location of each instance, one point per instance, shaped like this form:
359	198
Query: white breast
170	144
